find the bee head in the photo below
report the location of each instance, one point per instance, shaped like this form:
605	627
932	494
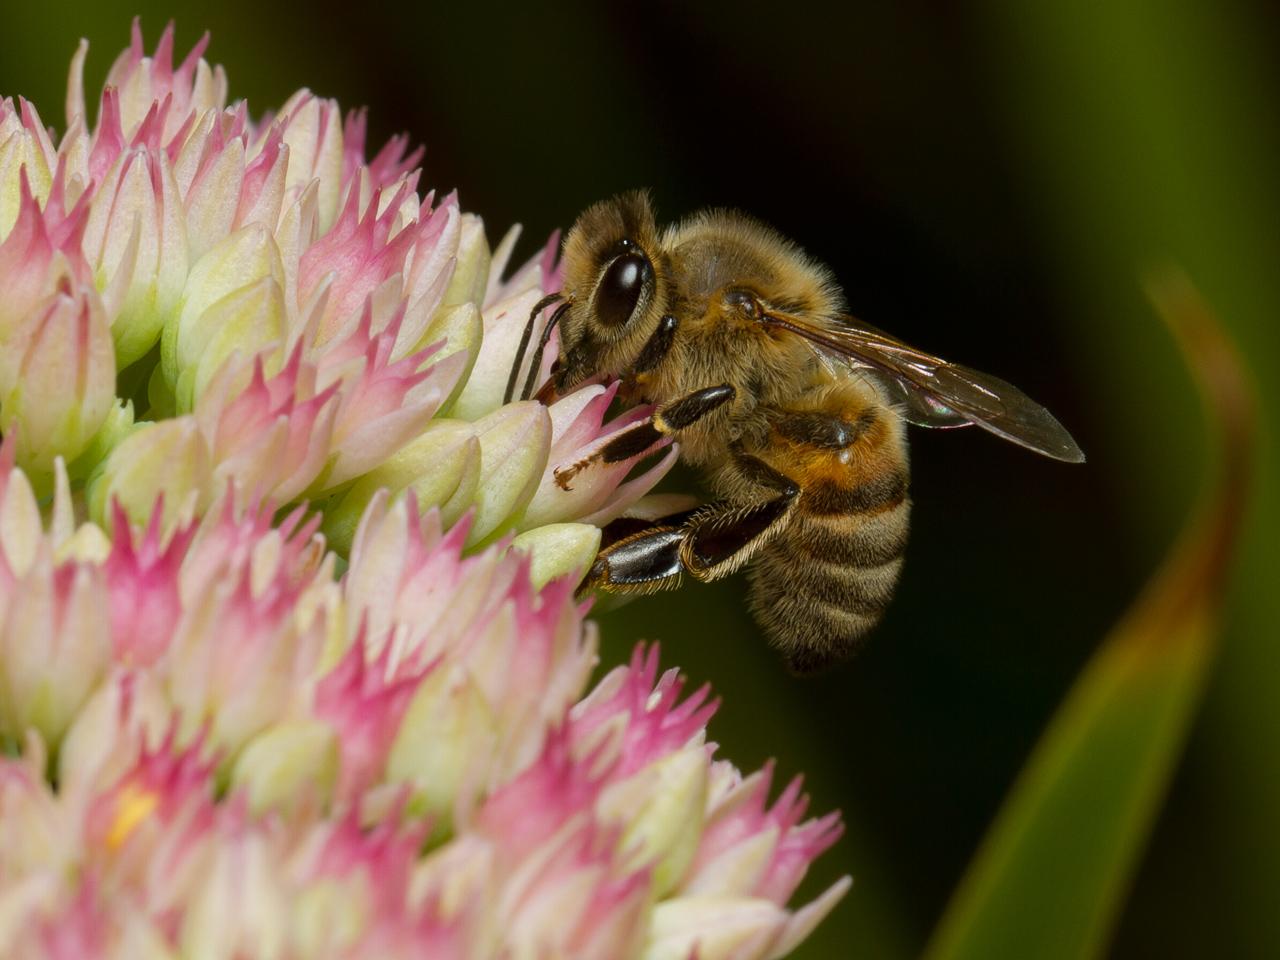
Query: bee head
614	286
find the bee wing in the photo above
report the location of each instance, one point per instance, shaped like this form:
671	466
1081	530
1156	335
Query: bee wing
916	407
936	393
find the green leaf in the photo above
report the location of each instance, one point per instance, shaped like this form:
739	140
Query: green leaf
1052	873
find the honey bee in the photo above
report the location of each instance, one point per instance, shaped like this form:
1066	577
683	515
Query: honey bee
794	412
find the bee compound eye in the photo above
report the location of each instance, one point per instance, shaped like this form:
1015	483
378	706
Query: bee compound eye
620	288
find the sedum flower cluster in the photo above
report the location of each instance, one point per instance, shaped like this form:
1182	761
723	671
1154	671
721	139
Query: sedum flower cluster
193	299
290	659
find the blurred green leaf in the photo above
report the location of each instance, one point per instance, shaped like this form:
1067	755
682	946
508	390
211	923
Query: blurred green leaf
1054	869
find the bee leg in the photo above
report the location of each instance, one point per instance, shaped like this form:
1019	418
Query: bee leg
657	346
639	437
824	430
524	342
536	363
644	562
712	543
626	526
724	536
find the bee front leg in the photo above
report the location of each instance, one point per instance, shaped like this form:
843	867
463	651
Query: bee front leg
639	437
712	543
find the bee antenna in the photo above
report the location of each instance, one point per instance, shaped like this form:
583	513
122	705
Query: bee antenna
542	345
524	342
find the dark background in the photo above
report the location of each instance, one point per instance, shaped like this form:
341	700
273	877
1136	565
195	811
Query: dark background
987	180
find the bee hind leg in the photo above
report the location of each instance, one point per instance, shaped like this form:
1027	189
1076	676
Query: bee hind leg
724	536
639	437
643	562
711	543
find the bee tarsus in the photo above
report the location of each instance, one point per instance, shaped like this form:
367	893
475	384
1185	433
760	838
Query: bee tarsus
639	437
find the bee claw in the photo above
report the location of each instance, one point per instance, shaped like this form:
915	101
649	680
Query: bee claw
595	577
546	394
564	474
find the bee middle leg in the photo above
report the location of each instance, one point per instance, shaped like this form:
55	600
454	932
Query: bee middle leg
711	543
639	437
819	429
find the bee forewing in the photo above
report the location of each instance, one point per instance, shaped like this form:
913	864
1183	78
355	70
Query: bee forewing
1004	410
937	393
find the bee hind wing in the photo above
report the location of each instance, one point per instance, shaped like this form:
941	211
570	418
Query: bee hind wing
917	408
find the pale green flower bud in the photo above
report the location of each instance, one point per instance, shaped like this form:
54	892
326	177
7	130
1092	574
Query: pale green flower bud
325	915
24	145
503	324
169	458
136	241
21	530
445	745
471	275
737	871
288	765
233	303
313	134
514	443
660	810
441	467
239	877
54	646
103	742
714	928
559	550
212	201
460	328
89	544
58	380
117	425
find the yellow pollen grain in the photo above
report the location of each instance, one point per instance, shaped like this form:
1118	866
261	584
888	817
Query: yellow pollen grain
134	806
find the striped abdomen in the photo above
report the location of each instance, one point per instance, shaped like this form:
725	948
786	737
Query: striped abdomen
825	579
